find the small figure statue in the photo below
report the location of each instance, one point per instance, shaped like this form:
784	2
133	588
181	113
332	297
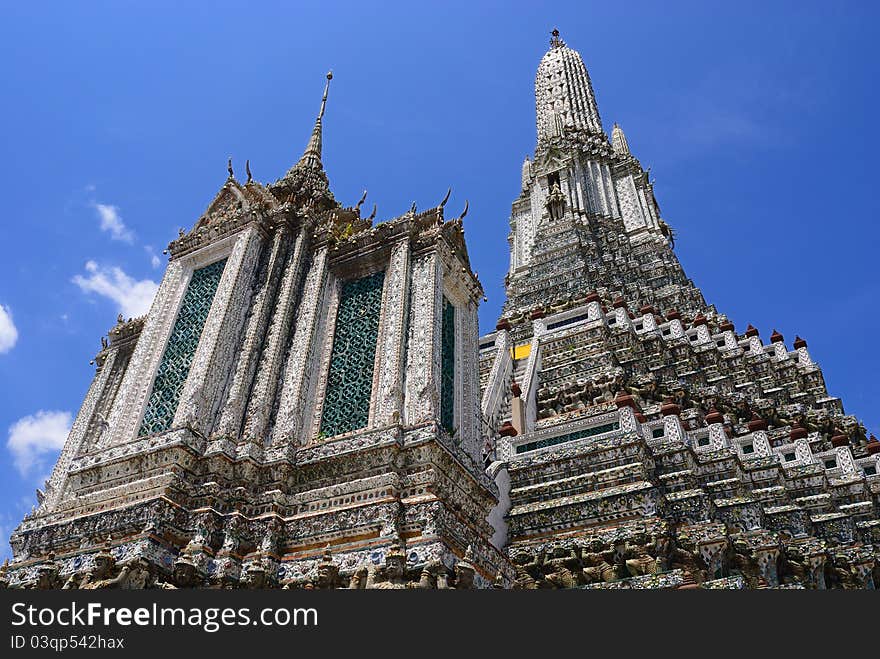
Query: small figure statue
638	562
393	575
255	577
528	570
47	574
137	575
559	570
442	579
202	536
685	555
272	537
99	575
183	574
661	551
742	561
596	568
498	584
328	572
465	571
358	580
427	580
234	535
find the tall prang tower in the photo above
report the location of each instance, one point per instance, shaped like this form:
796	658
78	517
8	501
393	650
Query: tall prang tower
586	219
647	443
298	408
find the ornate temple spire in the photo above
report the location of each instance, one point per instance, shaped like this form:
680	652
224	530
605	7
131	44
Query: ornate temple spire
306	181
618	141
312	155
564	98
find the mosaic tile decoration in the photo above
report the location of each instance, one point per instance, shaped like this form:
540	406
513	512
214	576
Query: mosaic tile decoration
447	367
350	377
181	348
570	437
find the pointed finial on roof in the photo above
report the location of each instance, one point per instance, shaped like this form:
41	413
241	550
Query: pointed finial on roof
361	200
229	167
324	98
556	42
247	168
312	155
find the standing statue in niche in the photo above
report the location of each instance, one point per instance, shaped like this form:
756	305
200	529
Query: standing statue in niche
556	201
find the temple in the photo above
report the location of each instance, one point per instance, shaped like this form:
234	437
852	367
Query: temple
308	404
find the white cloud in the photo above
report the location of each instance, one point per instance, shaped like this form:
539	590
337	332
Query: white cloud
155	261
133	298
36	438
8	331
111	221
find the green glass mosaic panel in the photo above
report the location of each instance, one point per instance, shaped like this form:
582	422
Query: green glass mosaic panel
570	437
447	367
181	348
350	377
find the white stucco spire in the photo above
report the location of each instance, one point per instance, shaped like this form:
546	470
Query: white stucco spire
618	140
564	98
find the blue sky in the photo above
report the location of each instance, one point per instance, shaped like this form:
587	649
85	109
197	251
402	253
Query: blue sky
758	120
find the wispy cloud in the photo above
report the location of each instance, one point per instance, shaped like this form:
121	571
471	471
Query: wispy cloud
731	108
8	331
111	221
132	297
34	440
155	261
